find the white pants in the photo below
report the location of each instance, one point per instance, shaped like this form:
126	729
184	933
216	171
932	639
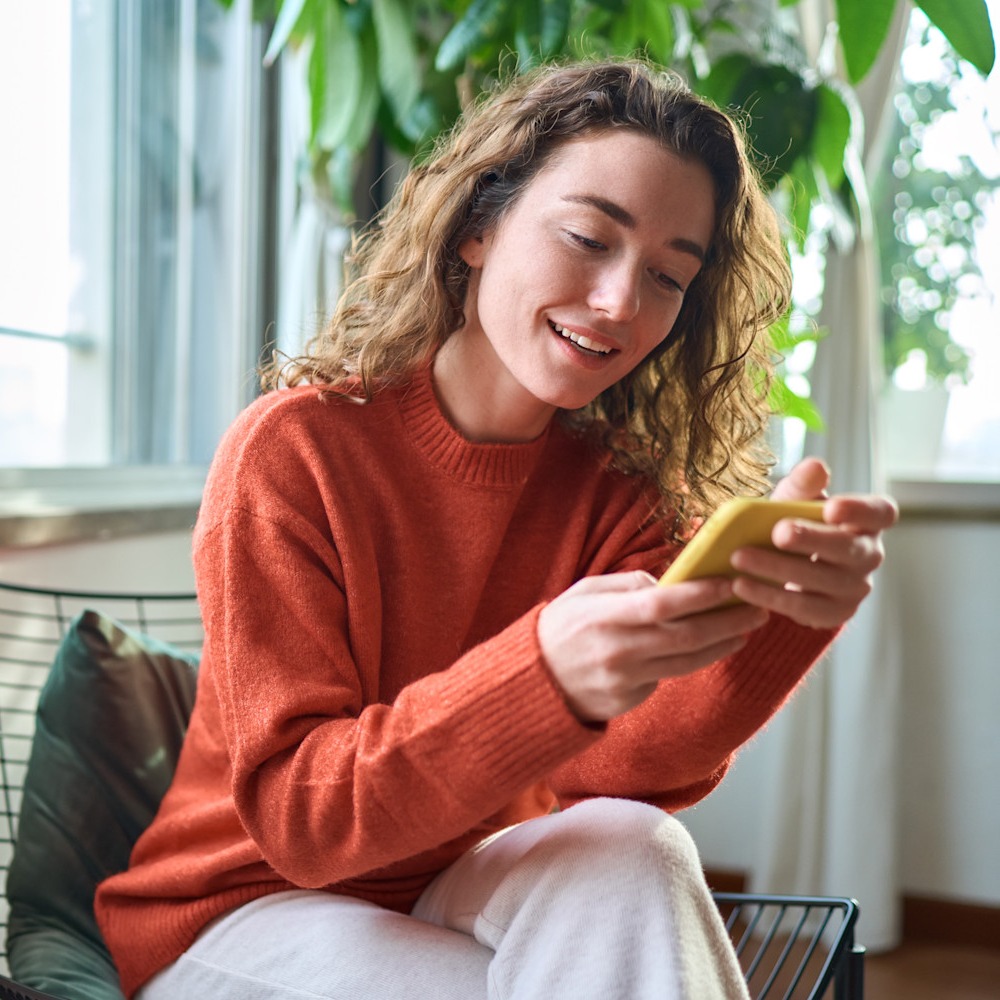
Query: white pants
605	900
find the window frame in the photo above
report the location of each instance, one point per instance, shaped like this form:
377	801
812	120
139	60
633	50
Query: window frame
132	493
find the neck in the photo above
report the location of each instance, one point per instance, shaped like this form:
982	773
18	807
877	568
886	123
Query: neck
481	398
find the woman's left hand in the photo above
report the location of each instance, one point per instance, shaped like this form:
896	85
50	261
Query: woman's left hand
822	571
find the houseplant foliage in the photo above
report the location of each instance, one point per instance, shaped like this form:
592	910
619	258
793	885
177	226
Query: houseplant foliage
399	71
931	203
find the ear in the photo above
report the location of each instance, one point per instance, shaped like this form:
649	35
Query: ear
473	251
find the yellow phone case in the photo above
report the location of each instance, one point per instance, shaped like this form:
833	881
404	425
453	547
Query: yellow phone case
737	523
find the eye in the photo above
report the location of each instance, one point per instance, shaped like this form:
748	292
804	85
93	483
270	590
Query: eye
585	241
672	284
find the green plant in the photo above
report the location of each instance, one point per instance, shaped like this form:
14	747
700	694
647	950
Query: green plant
399	71
931	206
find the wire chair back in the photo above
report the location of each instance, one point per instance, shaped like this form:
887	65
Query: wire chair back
33	621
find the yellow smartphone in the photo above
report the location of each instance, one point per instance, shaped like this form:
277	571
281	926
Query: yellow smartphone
739	522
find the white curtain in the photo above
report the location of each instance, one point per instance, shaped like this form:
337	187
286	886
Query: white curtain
830	805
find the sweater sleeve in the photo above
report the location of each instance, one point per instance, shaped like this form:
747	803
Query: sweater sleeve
329	781
675	747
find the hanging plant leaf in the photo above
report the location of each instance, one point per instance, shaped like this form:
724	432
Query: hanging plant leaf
288	18
365	107
785	340
721	82
782	111
398	65
966	25
540	28
336	79
863	25
556	16
480	23
832	132
660	31
783	400
528	32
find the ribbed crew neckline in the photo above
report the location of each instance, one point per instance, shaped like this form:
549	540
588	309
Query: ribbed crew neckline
444	446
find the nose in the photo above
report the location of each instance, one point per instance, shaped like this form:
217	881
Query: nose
616	291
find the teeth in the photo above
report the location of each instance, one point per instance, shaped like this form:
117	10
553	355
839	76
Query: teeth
585	342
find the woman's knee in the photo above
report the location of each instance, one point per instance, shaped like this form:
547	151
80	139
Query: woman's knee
630	834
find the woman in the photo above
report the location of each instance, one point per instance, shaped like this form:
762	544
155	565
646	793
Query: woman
426	565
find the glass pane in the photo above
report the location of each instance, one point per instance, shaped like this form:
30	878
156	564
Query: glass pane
36	269
130	264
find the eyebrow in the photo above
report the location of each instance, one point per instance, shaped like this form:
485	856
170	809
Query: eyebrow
625	218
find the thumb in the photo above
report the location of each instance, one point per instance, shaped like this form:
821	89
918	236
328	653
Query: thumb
614	582
807	481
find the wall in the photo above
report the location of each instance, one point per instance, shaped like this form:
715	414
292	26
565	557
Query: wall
155	562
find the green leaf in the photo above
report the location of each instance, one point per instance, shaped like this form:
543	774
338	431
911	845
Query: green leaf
966	25
480	23
658	29
359	130
864	25
831	134
790	404
785	340
341	173
398	66
720	84
288	17
540	28
528	31
783	112
555	26
800	184
335	78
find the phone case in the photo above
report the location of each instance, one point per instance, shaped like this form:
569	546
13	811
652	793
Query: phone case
737	523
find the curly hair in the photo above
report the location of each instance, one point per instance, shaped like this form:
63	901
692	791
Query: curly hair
692	415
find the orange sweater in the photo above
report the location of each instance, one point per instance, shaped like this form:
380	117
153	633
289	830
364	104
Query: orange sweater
372	699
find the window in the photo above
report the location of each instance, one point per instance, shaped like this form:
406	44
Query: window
938	209
134	289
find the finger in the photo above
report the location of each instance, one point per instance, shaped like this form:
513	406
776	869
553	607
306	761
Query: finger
694	634
863	513
804	607
679	665
808	480
610	583
838	545
850	580
679	600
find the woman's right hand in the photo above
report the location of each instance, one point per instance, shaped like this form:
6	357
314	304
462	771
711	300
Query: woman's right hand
609	639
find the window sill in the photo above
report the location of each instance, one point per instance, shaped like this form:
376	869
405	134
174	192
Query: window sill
936	498
59	506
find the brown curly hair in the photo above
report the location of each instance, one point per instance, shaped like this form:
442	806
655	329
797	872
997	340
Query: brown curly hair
692	415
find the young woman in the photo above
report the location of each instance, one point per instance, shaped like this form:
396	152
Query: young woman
426	564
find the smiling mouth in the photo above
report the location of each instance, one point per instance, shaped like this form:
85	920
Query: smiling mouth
582	342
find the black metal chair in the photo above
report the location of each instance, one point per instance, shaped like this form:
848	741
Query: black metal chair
790	947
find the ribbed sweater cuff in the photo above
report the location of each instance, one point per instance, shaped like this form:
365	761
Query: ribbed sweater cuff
508	710
773	663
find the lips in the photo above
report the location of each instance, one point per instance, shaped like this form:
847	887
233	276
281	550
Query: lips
581	341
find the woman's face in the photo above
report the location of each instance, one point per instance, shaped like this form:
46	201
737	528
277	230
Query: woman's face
582	278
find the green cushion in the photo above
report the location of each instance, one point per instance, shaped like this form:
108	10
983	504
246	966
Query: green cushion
111	719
